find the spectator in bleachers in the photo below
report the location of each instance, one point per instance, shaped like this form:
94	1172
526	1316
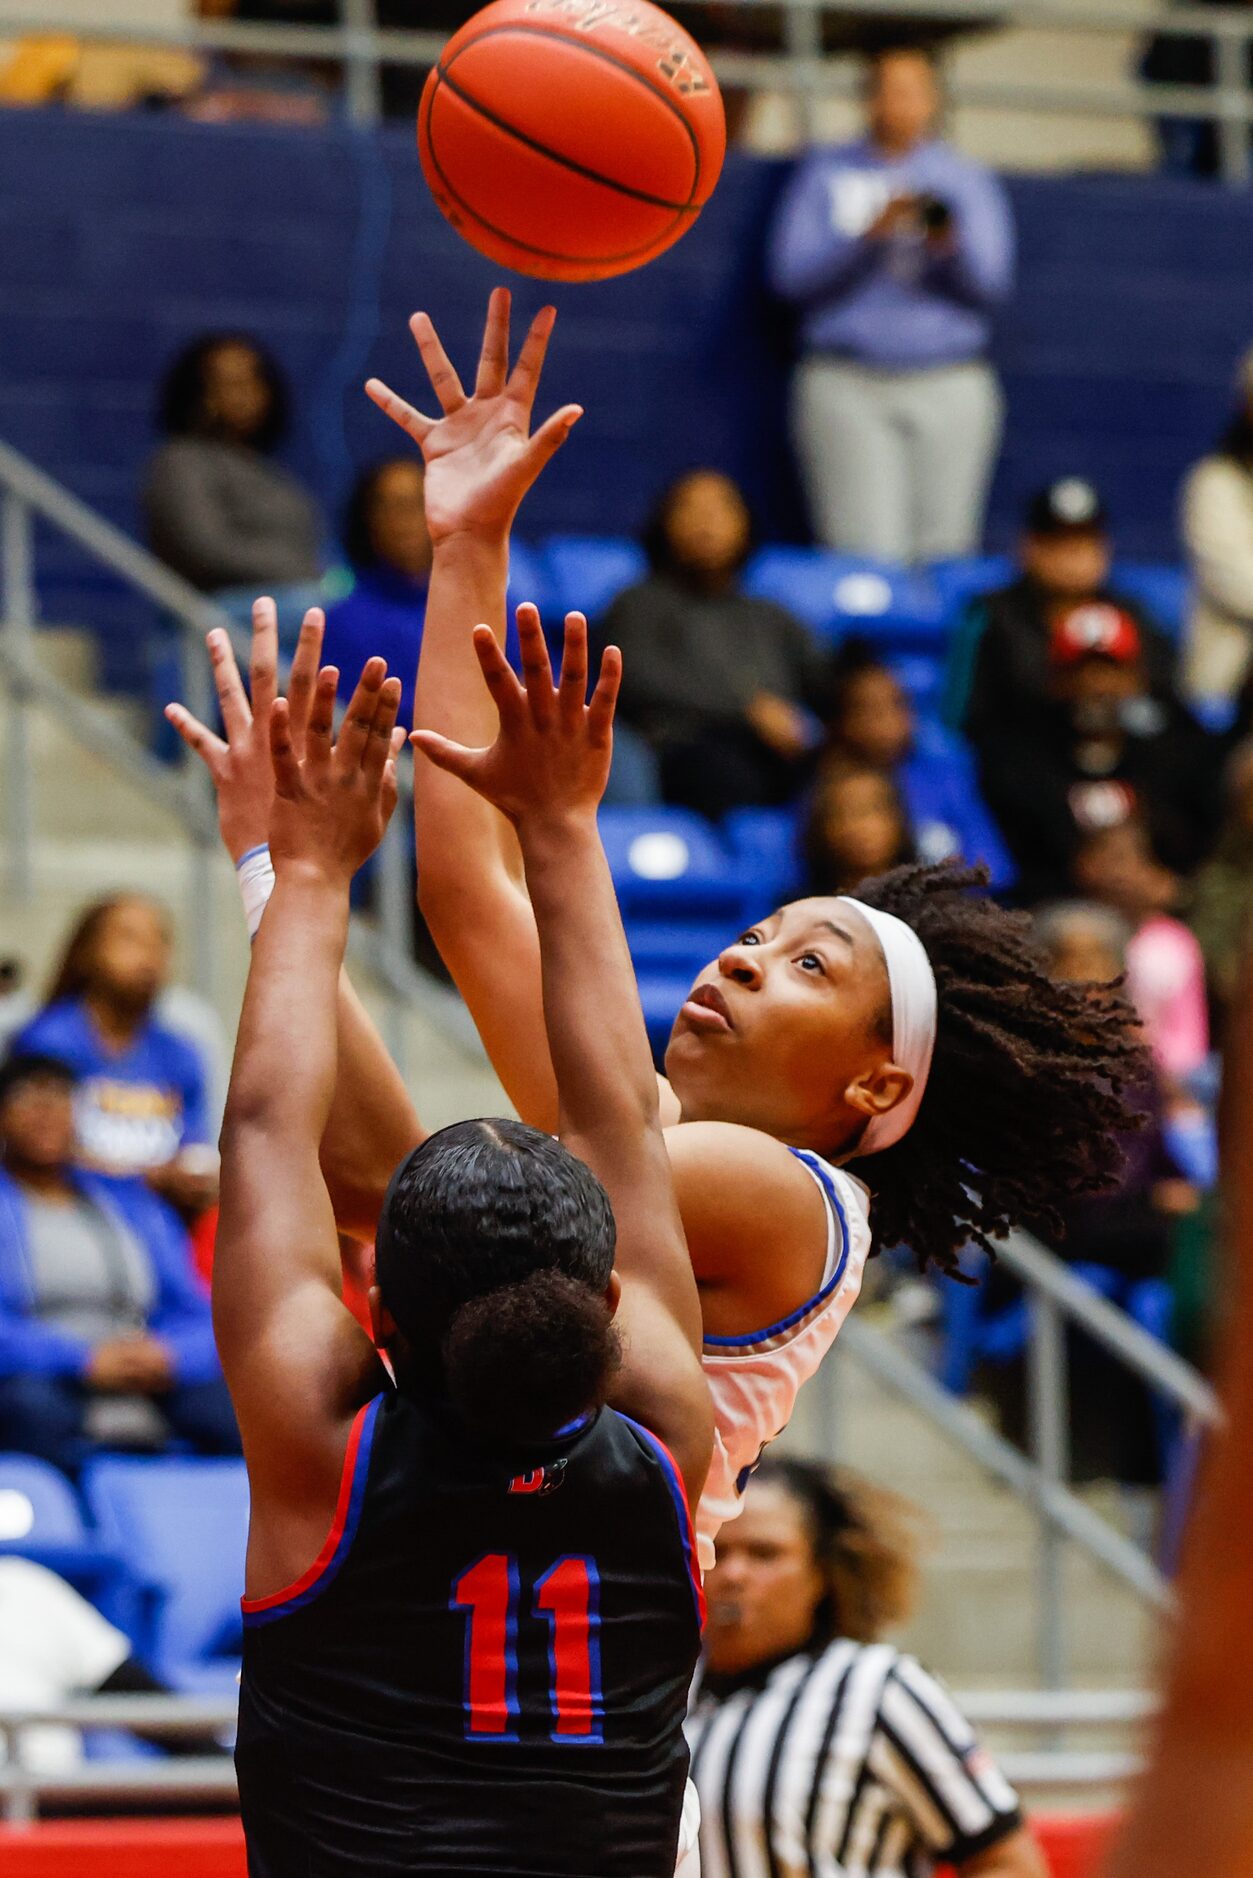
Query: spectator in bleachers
252	87
1128	1230
1218	533
895	252
872	721
1100	751
1221	912
141	1101
1000	670
219	509
857	827
105	1334
389	550
725	689
55	1647
1117	868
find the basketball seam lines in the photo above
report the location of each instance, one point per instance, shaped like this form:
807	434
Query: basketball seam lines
608	58
527	247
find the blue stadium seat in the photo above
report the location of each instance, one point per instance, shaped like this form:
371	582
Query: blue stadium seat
672	946
40	1519
1162	591
183	1524
957	583
670	863
586	572
766	842
661	994
839	594
528	579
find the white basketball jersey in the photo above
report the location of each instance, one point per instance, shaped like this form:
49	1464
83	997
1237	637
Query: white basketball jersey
754	1380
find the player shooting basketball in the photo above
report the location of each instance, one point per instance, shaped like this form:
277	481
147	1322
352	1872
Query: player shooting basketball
472	1606
894	1069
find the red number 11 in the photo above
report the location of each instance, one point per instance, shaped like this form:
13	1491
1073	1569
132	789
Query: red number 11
567	1595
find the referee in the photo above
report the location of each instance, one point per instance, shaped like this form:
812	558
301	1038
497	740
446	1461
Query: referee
816	1749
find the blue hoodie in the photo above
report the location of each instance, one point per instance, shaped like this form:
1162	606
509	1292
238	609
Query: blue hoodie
180	1316
892	304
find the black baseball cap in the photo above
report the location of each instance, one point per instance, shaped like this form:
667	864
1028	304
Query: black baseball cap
1070	502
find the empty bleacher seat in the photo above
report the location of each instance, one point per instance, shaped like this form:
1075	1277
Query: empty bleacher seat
586	572
839	594
1161	590
183	1526
956	583
670	862
40	1519
528	579
766	843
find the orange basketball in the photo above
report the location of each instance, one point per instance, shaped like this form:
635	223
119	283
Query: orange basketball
573	139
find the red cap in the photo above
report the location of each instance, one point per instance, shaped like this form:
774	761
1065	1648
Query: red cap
1095	630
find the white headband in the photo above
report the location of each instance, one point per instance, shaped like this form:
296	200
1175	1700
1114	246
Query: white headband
911	982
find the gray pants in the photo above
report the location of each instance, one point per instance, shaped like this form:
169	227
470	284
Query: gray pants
896	465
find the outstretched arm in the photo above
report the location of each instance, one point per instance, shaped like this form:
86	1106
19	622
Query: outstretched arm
1192	1814
546	772
297	1363
372	1124
480	461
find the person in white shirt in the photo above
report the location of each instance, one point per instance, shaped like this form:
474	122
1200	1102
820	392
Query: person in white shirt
1217	524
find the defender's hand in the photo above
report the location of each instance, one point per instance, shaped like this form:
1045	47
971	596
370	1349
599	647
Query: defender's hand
240	766
334	799
480	455
551	757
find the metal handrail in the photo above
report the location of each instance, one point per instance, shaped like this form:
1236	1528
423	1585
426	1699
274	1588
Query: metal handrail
1060	1510
204	1777
1049	1276
361	48
27	491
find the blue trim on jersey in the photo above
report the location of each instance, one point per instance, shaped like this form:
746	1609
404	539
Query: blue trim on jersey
818	1169
352	1520
262	847
678	1493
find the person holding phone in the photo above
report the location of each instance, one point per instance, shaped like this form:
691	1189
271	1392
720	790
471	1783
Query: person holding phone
895	253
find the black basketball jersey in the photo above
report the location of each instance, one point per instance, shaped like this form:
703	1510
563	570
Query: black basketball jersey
486	1668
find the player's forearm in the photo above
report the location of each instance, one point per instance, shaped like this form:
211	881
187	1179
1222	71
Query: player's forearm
283	1076
460	837
605	1076
373	1124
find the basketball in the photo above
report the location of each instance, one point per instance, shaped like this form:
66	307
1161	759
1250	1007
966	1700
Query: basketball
571	139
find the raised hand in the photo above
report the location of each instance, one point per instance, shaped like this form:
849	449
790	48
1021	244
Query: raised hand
240	765
333	798
551	755
480	455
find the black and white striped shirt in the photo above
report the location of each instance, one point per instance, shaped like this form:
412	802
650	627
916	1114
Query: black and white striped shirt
851	1763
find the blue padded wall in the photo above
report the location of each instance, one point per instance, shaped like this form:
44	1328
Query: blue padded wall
121	238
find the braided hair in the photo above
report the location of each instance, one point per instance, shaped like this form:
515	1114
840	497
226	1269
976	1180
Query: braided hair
1032	1080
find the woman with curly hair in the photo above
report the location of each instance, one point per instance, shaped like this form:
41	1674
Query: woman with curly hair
815	1745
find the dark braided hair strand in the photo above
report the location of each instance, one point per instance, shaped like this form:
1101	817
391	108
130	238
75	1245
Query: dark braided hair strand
1032	1082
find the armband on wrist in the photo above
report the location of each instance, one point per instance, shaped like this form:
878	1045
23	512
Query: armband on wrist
255	874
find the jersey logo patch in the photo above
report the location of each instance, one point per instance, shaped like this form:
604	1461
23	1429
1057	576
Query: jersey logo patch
540	1480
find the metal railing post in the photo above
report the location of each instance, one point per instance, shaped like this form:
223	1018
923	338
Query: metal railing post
19	1796
362	88
17	620
200	698
1231	52
1049	1409
802	41
393	910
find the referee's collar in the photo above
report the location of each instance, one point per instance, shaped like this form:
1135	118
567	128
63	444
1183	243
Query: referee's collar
714	1687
